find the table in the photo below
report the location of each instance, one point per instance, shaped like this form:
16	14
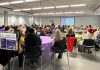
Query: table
46	43
2	30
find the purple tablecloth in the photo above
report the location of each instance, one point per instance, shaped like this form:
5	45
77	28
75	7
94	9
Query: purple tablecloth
46	43
2	30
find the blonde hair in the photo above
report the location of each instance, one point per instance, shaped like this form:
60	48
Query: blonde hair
58	35
70	30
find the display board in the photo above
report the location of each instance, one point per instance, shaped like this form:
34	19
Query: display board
8	41
67	21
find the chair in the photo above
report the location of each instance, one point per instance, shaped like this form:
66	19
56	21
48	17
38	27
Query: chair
71	42
32	54
88	44
59	47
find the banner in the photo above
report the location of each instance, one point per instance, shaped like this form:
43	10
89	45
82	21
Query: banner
8	41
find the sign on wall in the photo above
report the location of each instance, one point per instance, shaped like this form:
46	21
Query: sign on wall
8	41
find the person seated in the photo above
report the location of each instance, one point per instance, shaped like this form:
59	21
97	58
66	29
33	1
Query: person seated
57	37
32	42
97	42
88	35
90	29
97	33
70	32
42	32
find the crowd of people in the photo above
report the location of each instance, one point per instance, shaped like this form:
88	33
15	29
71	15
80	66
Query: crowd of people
29	36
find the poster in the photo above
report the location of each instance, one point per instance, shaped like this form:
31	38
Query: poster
8	41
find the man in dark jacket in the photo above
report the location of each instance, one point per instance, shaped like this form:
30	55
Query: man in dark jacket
32	40
32	43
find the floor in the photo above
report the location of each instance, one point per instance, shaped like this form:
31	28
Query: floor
77	61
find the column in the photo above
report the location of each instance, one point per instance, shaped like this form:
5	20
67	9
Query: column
5	18
6	23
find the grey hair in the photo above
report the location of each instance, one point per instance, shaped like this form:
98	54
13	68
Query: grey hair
58	35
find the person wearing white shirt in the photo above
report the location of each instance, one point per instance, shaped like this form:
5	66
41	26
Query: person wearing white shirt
88	35
97	33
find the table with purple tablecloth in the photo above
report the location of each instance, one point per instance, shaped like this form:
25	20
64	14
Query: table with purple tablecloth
2	30
46	43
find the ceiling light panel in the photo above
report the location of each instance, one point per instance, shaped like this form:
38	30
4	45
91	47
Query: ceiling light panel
16	2
5	3
26	9
59	13
36	14
79	12
43	13
78	5
52	7
36	8
31	0
17	10
65	6
68	12
51	13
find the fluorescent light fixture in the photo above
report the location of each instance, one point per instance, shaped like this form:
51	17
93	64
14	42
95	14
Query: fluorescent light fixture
36	14
65	6
49	7
26	9
5	3
78	5
79	12
68	12
43	13
17	10
32	0
59	13
98	14
51	13
16	2
36	8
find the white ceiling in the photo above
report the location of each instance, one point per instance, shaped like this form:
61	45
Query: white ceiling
90	8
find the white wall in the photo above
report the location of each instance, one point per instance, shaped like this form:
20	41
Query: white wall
17	19
47	20
20	20
85	20
29	20
1	19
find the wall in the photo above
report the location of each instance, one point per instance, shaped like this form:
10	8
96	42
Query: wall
17	19
87	20
1	19
47	20
20	20
84	20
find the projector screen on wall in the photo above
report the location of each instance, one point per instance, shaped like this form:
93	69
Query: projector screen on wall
68	21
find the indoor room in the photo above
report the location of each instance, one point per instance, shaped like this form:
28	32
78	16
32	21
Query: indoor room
49	34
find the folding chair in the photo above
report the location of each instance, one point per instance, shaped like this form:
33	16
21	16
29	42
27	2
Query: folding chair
33	54
70	42
88	44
